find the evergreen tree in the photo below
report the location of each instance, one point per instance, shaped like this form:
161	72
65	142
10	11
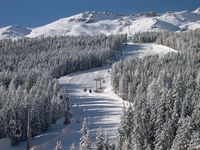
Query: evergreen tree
85	141
183	136
101	140
58	146
72	147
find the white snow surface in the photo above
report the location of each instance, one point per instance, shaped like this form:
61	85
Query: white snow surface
102	109
191	26
5	144
141	50
197	11
94	23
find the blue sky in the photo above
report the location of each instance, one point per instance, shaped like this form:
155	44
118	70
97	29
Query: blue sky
32	13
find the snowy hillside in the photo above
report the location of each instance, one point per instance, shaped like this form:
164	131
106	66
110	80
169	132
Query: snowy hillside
13	32
197	11
191	26
92	23
180	18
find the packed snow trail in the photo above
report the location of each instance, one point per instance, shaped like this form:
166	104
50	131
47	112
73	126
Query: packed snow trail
103	109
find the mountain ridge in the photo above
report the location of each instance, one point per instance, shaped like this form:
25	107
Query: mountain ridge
94	22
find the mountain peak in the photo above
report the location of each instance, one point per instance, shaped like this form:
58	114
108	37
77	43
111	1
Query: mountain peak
13	31
93	16
197	10
148	14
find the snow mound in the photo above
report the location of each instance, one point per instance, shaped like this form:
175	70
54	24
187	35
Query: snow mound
13	32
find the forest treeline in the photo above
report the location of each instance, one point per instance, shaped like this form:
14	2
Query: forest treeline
164	95
28	72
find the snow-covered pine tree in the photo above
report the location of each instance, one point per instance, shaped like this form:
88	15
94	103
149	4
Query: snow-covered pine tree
85	140
123	86
183	135
58	146
101	143
72	147
127	145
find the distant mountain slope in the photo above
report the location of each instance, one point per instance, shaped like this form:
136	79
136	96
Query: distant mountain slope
13	32
191	26
92	23
180	18
197	11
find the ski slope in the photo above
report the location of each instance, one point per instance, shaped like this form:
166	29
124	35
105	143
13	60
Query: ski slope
141	50
103	109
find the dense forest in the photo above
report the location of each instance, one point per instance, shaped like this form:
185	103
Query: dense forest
28	72
164	95
164	92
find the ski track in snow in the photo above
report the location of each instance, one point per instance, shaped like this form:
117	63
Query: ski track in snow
103	110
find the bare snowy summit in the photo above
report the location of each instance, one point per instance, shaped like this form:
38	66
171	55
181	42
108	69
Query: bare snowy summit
93	16
197	10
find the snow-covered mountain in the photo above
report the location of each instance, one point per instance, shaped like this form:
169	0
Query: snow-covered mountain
13	32
92	23
197	11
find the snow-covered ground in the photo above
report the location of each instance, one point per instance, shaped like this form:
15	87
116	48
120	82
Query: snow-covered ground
103	109
141	50
5	144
